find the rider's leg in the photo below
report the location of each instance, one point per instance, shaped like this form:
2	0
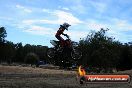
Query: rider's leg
62	41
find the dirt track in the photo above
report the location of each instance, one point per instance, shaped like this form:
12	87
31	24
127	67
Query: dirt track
28	77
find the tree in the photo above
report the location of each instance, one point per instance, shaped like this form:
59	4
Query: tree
126	57
7	51
10	52
31	58
100	50
3	34
19	53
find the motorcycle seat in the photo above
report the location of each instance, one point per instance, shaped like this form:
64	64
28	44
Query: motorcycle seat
56	41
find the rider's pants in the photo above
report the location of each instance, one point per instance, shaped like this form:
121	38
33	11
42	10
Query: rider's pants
61	40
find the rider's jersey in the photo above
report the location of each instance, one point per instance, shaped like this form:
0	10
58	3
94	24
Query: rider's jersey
60	31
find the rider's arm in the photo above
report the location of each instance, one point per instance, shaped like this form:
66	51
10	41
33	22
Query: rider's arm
64	34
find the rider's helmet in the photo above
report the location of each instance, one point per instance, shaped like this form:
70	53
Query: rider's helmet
65	25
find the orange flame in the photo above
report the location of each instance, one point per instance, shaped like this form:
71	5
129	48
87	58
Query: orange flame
81	71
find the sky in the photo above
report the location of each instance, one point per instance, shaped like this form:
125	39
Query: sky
35	22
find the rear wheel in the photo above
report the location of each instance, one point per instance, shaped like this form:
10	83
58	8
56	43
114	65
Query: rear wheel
51	52
76	54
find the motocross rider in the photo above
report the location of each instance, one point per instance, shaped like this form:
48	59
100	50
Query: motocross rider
60	31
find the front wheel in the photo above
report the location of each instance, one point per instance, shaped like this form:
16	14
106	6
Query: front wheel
51	52
76	54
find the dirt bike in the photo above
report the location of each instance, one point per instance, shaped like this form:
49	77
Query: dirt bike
72	46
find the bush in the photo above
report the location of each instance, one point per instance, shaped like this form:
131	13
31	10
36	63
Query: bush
31	58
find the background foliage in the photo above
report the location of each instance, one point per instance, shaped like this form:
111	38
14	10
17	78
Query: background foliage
98	50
